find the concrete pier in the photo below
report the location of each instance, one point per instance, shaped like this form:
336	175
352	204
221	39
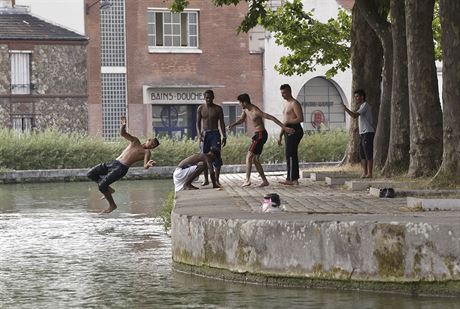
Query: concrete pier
326	237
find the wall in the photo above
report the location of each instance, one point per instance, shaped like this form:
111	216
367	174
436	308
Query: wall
273	102
59	95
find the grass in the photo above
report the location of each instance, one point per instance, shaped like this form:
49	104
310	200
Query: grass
52	149
165	214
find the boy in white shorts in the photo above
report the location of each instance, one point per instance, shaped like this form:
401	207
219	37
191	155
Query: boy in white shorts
191	167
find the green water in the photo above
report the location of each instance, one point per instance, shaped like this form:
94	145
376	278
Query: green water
56	251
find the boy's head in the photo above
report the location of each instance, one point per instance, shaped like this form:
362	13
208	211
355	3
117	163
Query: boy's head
286	91
152	143
244	100
359	96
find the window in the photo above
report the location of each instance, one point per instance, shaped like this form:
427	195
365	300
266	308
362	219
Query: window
22	123
232	113
20	72
168	30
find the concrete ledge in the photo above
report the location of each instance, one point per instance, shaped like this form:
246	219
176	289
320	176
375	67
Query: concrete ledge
435	288
419	192
319	175
360	185
332	181
433	204
212	236
56	175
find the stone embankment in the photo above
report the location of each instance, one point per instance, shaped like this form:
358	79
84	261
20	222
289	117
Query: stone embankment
327	236
59	175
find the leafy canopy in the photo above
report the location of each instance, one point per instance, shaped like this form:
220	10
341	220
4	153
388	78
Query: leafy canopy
310	42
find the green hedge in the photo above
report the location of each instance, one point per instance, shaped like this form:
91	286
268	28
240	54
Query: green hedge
52	149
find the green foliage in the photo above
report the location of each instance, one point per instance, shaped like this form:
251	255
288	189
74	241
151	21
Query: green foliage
165	214
311	42
437	32
54	150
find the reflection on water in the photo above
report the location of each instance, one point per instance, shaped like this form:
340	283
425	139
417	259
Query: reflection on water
57	252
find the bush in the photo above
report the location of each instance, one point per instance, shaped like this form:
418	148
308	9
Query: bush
54	150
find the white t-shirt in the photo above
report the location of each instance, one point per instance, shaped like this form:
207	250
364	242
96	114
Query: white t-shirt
365	121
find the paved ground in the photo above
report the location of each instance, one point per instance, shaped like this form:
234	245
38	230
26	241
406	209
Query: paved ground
315	198
310	197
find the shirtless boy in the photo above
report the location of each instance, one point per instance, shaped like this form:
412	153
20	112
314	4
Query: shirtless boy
292	117
191	167
254	114
107	173
209	116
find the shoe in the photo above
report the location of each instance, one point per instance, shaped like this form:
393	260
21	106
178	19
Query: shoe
390	193
383	192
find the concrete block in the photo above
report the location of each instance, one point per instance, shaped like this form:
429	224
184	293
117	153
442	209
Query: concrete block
331	181
360	185
317	176
434	204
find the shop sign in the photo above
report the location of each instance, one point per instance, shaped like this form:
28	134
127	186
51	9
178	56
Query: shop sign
173	95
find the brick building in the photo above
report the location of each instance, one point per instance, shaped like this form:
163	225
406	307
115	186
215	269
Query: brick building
43	73
154	66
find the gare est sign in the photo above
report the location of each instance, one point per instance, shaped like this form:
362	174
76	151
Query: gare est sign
174	95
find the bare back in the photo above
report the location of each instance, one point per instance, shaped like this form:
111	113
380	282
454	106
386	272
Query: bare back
133	152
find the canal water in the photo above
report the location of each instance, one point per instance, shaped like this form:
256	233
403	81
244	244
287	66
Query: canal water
56	251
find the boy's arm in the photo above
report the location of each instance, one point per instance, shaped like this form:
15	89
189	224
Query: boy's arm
280	140
147	162
125	134
272	118
222	127
349	112
198	123
239	121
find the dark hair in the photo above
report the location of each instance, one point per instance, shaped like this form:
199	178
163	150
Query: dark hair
360	92
244	97
157	141
209	91
286	86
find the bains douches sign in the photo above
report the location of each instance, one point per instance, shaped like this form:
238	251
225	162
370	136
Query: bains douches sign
173	95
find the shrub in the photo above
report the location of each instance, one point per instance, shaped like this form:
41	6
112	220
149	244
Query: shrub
53	150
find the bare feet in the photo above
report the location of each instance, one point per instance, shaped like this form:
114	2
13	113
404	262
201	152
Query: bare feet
205	183
246	184
290	183
190	187
111	190
110	209
263	184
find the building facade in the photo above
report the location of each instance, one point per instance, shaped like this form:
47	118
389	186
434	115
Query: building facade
320	98
154	65
43	80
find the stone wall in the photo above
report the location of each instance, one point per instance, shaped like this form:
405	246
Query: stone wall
65	114
4	70
59	69
58	96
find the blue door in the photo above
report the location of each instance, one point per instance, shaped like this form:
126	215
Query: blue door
174	121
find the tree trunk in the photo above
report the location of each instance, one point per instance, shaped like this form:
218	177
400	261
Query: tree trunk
376	16
425	110
449	173
366	63
398	152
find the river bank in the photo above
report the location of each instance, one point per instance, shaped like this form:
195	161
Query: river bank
328	236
